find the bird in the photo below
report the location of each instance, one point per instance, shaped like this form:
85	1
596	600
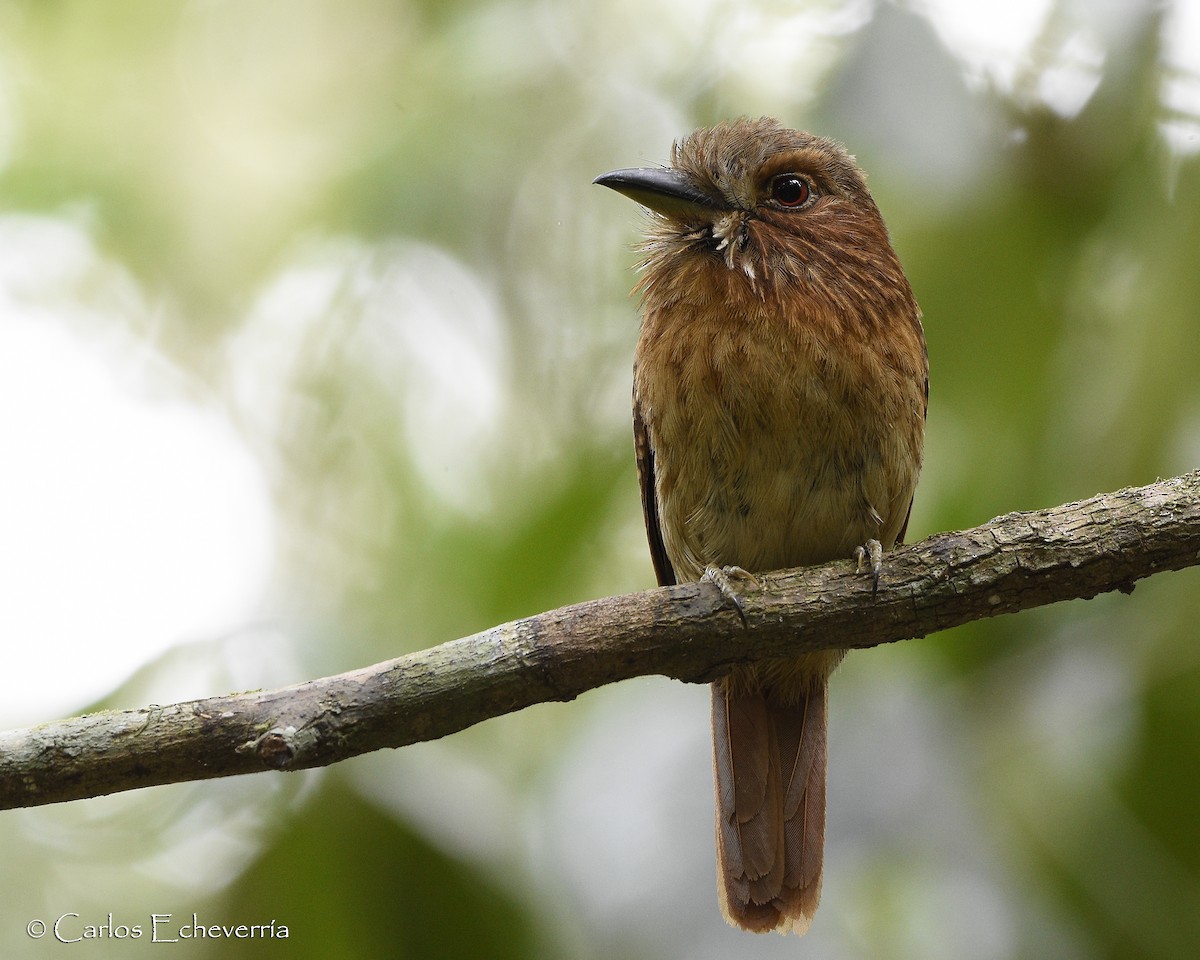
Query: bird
780	392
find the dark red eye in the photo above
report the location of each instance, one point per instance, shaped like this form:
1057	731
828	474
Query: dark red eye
790	190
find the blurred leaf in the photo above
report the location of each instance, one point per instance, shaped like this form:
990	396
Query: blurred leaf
349	881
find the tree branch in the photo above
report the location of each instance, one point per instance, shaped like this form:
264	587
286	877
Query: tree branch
689	632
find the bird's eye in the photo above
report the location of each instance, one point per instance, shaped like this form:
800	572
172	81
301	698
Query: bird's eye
790	190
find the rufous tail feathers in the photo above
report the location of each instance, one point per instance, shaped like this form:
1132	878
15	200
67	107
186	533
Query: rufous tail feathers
769	755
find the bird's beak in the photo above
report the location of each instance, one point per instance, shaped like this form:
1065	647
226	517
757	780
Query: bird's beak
662	190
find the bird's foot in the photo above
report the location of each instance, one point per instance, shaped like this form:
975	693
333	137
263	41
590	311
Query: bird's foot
722	578
871	552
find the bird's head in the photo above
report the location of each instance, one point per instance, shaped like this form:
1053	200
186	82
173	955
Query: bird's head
773	205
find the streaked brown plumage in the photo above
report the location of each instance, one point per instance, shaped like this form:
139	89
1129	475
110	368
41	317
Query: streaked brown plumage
780	389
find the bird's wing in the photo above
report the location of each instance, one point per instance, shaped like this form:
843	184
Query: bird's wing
645	468
925	414
904	526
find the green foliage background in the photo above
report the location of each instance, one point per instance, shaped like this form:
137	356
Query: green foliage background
365	233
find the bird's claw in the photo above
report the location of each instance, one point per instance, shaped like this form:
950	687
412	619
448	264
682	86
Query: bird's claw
722	578
871	551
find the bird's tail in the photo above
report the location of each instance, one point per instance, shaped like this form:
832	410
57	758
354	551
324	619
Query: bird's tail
769	758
